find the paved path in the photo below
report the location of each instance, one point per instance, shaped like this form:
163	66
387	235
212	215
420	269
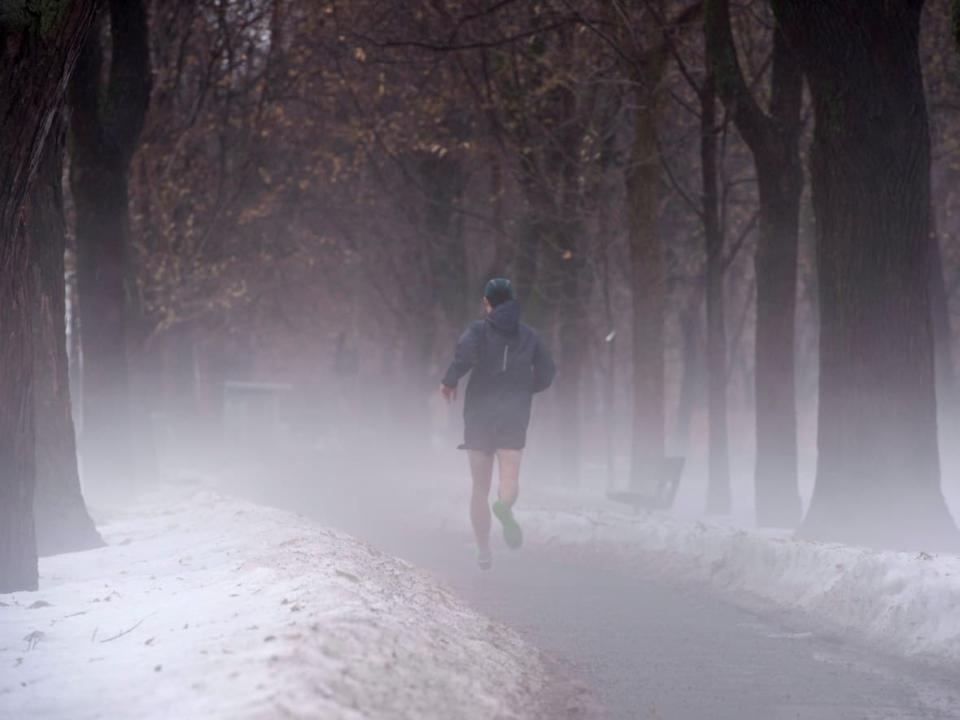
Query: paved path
648	650
643	648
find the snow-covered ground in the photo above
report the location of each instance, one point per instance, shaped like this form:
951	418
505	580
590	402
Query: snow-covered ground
208	607
907	603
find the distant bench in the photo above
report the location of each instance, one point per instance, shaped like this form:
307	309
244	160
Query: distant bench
666	483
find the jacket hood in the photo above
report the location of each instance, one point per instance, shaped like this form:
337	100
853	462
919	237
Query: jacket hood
505	317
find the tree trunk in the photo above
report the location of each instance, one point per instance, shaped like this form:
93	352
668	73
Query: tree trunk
503	248
526	259
878	472
774	142
416	385
777	486
572	335
943	337
575	286
100	197
718	462
443	185
62	521
647	254
18	547
37	52
691	383
534	224
105	125
609	369
648	281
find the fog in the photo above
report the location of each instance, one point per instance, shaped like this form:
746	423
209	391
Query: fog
623	631
339	431
281	281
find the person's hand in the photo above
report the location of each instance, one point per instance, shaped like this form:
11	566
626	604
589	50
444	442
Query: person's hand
449	393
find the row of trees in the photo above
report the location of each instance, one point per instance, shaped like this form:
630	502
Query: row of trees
637	168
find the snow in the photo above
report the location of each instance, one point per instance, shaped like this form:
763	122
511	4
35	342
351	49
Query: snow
908	604
207	607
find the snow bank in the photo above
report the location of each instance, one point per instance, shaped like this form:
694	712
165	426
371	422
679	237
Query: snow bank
908	603
206	607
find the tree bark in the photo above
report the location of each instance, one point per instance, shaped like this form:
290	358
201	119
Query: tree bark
943	337
647	254
608	370
773	139
648	285
777	492
105	126
878	472
62	521
538	213
37	53
443	181
691	379
718	463
571	337
18	547
503	248
575	284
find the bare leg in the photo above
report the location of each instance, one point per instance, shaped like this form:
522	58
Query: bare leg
509	461
481	469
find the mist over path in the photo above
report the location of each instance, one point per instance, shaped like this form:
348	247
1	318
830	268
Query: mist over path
642	647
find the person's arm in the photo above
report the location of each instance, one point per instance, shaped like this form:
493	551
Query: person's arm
543	368
464	360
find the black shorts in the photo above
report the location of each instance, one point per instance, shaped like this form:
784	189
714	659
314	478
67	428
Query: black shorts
487	438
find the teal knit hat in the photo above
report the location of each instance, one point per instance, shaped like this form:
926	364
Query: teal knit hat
498	290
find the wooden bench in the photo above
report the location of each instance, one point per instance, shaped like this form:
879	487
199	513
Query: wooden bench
665	491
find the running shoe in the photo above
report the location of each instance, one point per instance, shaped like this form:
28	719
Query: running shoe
512	534
484	559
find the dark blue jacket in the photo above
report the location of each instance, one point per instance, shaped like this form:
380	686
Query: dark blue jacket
509	364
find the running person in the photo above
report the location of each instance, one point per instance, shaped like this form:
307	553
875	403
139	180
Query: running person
510	364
